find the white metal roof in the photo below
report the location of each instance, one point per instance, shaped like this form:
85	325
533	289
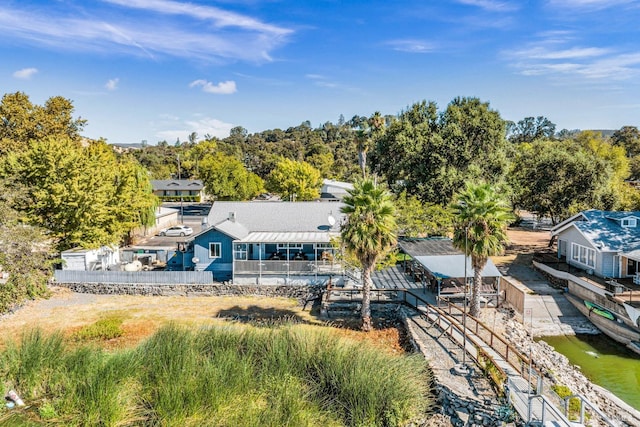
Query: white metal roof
446	266
279	216
288	237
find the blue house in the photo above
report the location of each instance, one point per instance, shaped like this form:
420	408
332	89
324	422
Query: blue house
603	243
267	241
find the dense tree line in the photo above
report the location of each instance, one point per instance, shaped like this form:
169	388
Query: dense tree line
426	155
60	191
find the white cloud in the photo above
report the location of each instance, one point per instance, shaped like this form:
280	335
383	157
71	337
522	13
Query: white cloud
25	73
222	88
219	17
112	84
576	63
556	55
201	126
492	5
539	52
199	32
323	81
411	46
588	4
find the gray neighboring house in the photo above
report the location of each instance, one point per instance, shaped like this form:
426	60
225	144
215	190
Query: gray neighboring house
174	189
604	243
334	190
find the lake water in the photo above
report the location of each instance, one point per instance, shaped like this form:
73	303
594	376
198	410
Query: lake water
604	362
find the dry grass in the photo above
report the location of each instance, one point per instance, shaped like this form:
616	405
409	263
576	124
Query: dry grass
68	312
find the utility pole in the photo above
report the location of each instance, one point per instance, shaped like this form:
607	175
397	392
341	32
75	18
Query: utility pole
179	178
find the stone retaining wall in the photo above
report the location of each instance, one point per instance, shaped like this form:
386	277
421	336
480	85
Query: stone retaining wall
300	292
553	280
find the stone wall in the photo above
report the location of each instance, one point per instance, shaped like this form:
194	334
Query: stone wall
299	292
553	281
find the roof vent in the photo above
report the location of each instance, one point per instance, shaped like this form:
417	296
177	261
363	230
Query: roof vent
232	216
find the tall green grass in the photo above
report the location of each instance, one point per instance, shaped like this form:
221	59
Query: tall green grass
223	376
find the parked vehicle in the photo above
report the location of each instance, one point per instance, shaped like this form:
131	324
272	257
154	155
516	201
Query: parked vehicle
177	230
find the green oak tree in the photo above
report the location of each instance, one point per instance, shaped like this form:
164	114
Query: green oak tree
418	219
431	154
558	179
530	129
627	137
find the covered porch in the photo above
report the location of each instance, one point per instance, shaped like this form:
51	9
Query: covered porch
285	254
444	270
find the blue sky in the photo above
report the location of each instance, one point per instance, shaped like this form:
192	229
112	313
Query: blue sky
160	69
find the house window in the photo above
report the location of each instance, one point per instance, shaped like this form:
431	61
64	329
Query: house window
583	255
240	251
215	250
628	222
285	246
323	246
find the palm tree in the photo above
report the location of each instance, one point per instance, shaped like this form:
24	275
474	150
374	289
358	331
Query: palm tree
369	233
481	217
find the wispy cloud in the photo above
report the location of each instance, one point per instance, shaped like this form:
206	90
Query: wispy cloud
112	84
220	17
571	53
202	126
25	73
588	5
492	5
551	56
322	81
411	45
223	88
131	27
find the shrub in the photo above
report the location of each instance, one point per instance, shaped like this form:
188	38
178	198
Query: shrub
104	329
574	403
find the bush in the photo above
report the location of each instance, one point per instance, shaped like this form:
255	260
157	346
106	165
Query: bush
103	329
574	403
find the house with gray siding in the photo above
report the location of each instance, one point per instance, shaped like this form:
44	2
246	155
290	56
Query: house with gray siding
178	189
267	241
604	243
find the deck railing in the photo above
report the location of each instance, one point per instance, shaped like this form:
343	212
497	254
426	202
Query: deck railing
286	267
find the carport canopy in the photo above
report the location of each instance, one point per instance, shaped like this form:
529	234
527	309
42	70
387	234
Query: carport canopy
453	266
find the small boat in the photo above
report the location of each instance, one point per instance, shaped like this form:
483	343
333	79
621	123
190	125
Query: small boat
601	311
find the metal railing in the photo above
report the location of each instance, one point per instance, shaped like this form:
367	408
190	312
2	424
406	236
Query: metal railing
514	357
286	267
444	320
583	404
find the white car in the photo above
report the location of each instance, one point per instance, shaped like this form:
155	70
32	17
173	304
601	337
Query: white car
177	230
